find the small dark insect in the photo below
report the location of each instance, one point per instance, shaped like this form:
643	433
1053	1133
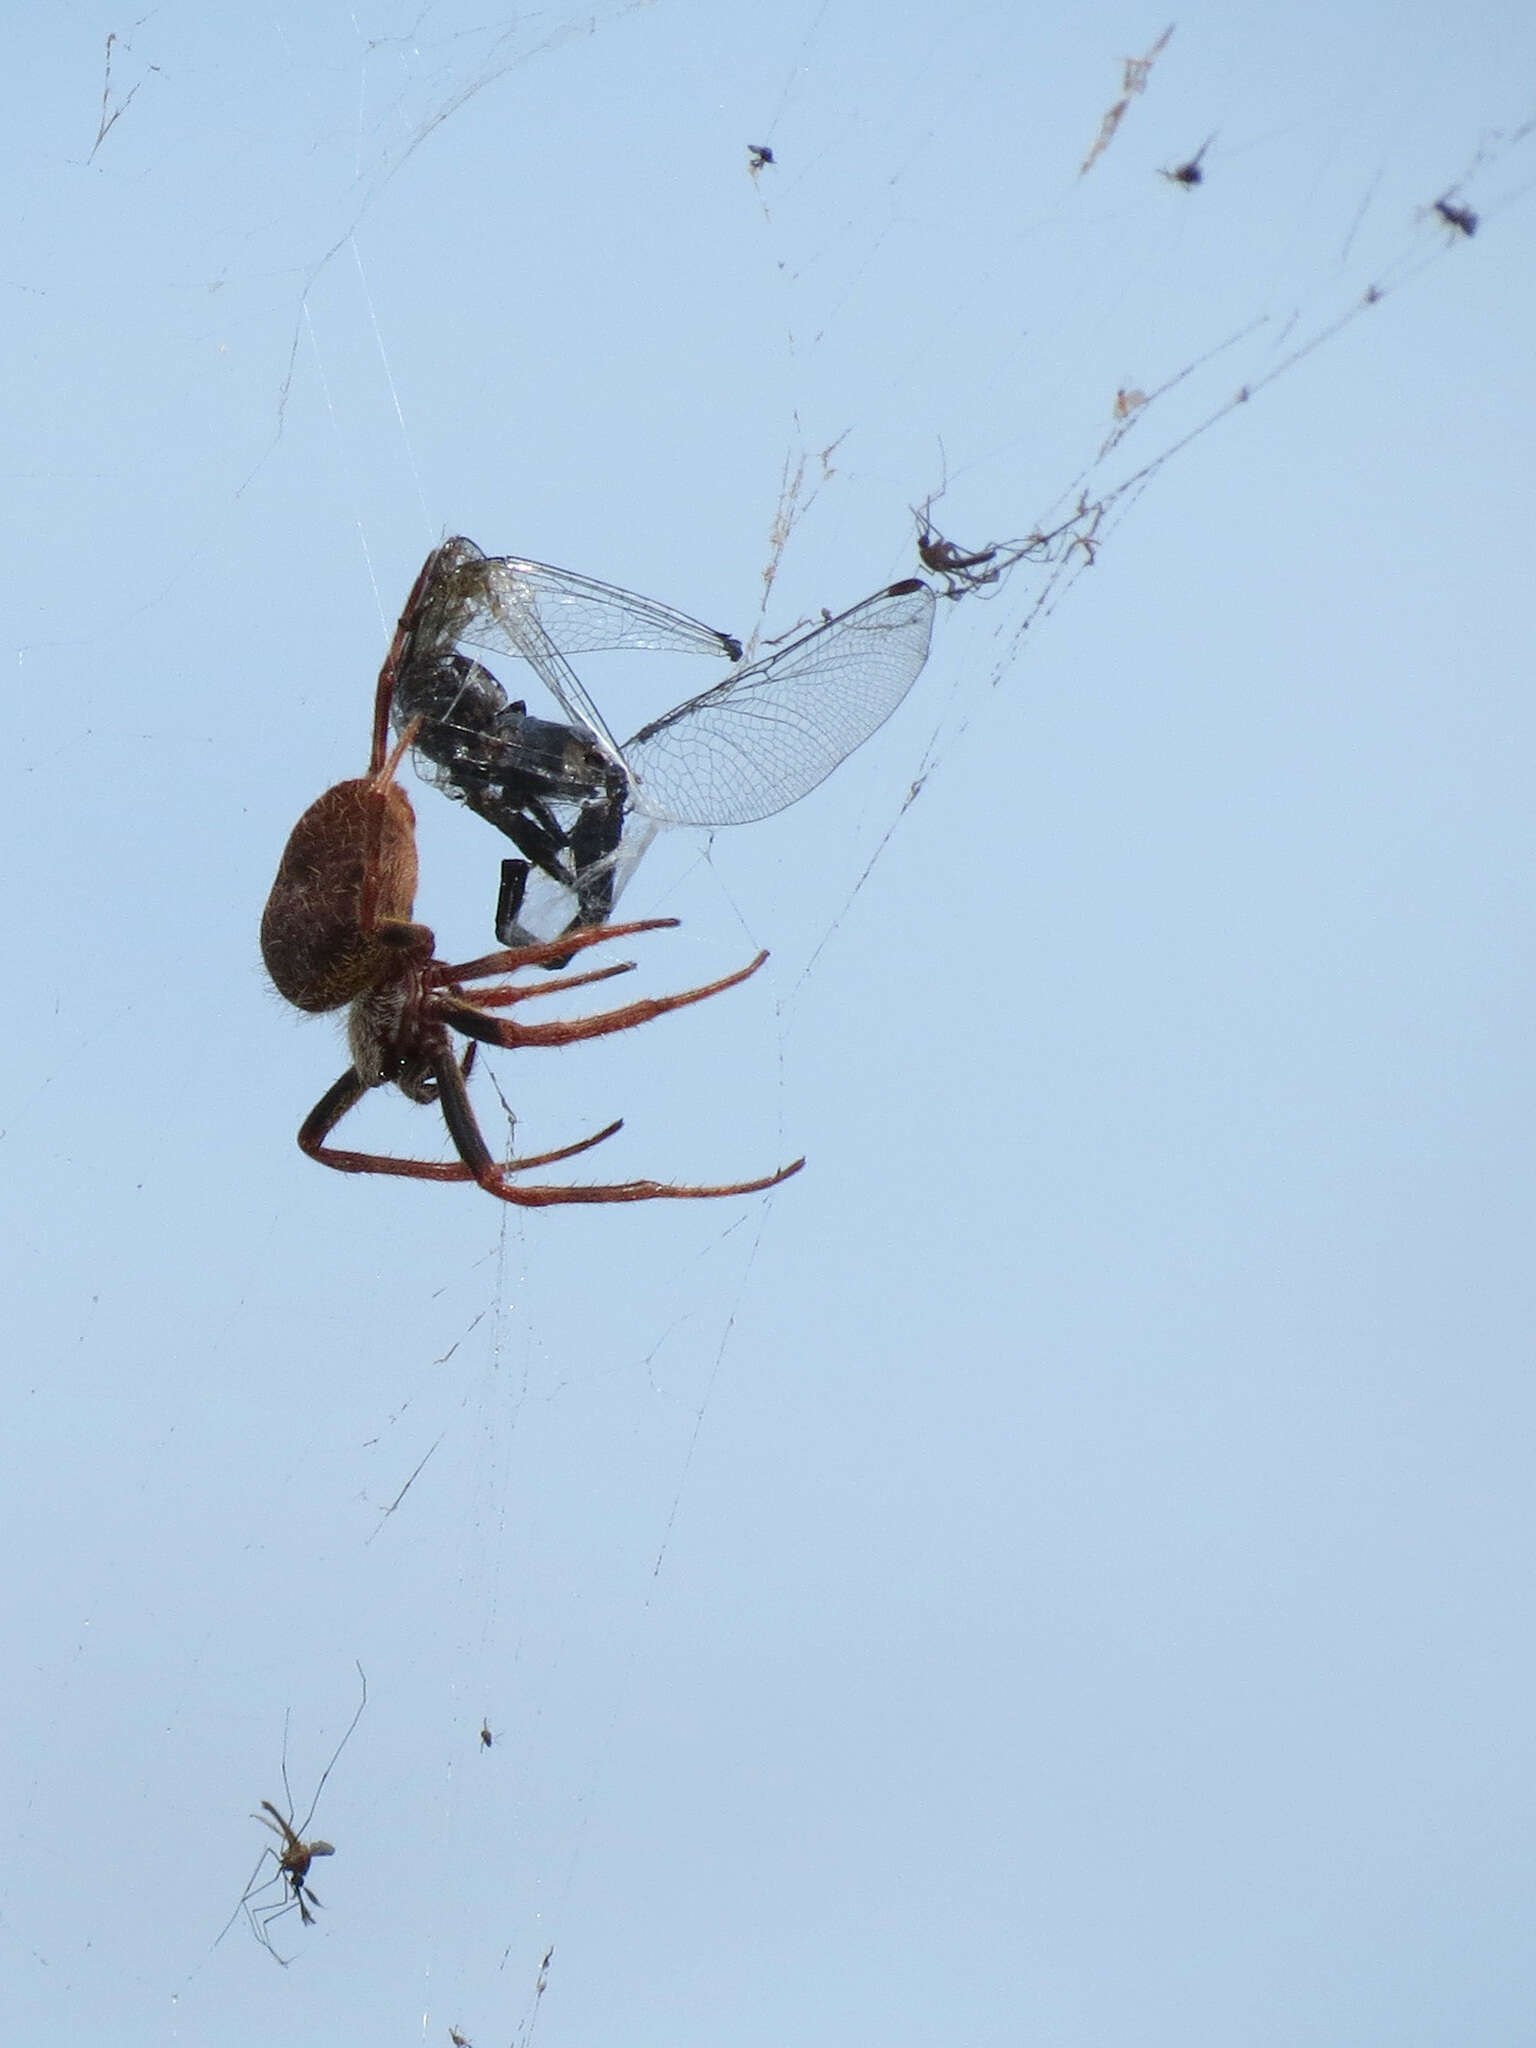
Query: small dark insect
459	2040
338	930
758	154
486	1737
1190	173
1462	218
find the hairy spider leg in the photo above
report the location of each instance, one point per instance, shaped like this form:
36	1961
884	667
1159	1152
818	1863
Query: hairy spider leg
466	1135
501	998
346	1093
542	952
464	1013
477	1162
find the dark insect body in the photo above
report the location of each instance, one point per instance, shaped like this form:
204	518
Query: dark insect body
293	1864
1189	173
1461	218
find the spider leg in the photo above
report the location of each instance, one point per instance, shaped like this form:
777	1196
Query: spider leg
461	1012
349	1090
638	1190
562	1151
510	958
453	1098
499	998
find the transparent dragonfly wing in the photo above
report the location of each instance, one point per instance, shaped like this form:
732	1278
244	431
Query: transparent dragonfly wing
582	616
579	808
549	906
502	604
775	728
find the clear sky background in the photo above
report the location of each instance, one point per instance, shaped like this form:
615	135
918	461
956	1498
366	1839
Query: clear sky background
1060	1570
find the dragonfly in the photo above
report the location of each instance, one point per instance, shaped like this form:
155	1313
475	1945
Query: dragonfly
579	806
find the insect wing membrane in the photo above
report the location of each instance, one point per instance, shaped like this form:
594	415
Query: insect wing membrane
540	614
582	616
768	734
511	622
549	906
758	741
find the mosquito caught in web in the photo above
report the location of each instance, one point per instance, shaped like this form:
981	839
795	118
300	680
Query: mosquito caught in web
269	1898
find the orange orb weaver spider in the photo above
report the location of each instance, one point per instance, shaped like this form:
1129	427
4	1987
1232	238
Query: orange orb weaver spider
338	929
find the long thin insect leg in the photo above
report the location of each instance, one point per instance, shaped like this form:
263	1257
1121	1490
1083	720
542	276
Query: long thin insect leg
335	1754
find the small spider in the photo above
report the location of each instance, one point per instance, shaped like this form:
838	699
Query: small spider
948	559
486	1737
962	568
758	155
338	930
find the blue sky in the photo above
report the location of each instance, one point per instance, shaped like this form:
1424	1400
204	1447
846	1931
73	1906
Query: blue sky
1059	1570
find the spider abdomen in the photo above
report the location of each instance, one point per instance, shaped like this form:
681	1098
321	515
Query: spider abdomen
322	938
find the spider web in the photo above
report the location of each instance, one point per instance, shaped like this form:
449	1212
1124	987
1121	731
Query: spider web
1071	1535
